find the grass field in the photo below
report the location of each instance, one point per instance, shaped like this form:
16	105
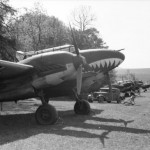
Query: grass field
110	126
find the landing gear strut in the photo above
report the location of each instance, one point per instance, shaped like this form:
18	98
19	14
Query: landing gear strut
81	107
46	114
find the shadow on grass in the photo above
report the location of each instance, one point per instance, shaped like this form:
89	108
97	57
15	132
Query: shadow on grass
22	126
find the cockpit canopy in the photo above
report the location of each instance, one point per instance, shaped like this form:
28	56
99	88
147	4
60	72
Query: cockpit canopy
22	55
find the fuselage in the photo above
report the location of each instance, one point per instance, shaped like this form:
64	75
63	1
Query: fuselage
55	73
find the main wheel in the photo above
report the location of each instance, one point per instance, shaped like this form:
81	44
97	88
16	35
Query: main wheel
90	100
100	99
119	100
46	115
82	107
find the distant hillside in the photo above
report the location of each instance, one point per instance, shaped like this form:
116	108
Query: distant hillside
141	73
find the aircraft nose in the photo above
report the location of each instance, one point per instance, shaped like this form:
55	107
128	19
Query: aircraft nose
103	60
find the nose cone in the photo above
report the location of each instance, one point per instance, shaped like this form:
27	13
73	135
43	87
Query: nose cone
103	60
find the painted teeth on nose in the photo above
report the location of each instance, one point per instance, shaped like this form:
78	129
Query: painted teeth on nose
111	61
98	64
106	63
114	63
109	64
119	62
97	68
94	65
103	63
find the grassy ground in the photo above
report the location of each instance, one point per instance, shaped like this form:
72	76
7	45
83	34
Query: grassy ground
110	127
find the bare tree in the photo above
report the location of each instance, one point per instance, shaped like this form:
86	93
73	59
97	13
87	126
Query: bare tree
82	17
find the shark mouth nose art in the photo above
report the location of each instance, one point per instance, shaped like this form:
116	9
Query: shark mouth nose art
102	60
105	64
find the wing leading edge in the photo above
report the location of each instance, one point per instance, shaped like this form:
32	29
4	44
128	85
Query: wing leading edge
11	69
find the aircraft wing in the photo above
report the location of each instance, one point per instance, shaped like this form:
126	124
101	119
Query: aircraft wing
10	69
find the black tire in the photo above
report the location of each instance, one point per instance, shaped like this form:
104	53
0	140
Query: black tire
122	97
82	107
119	100
127	95
100	99
46	115
90	101
108	101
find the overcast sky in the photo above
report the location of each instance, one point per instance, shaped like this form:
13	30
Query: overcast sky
122	24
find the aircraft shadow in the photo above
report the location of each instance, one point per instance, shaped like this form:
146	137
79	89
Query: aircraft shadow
22	126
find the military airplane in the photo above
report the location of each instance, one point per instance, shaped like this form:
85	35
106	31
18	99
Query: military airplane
145	87
53	74
91	75
128	86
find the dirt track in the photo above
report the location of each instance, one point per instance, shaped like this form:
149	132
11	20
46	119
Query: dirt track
110	126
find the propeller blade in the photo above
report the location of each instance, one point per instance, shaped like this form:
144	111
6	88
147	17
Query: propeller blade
79	79
78	62
74	41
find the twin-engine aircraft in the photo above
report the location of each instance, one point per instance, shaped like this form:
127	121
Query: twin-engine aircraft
53	74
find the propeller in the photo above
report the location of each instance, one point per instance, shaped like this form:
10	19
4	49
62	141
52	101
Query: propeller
78	62
74	41
79	79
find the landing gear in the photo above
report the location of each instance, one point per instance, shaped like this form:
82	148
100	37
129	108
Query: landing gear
100	99
82	107
46	114
119	100
46	100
